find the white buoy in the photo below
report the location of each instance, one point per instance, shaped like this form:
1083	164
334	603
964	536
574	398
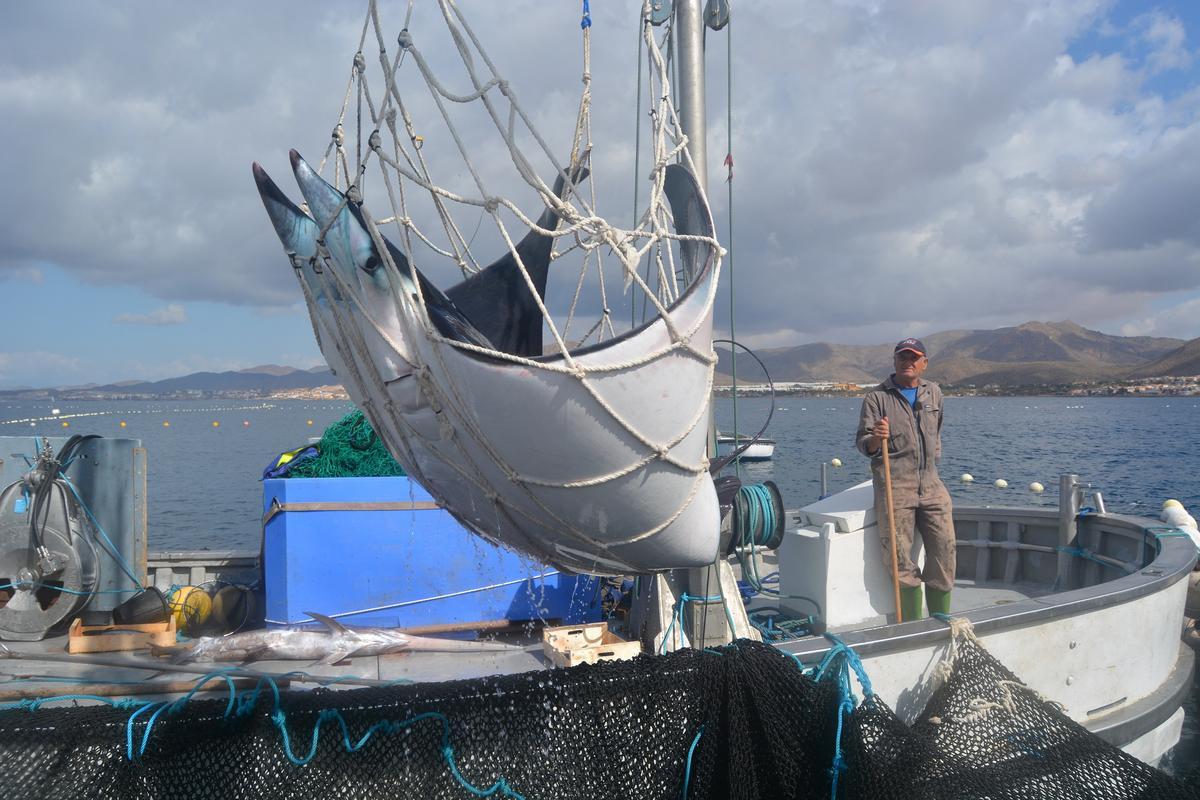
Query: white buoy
1001	483
837	462
1174	513
967	478
1036	488
55	411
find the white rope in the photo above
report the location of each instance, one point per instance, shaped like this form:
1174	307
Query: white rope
590	234
980	708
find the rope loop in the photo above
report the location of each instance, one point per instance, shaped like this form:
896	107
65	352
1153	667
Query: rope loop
339	135
375	140
405	39
360	62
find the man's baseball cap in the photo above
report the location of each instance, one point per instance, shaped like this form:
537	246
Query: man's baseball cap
916	345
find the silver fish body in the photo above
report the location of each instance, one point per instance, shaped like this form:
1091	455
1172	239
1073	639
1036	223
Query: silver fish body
336	642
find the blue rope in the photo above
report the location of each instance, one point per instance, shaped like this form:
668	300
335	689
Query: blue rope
113	552
757	513
586	22
677	617
838	663
687	772
1079	552
242	704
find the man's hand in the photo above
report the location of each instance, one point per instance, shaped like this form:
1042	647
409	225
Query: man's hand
879	434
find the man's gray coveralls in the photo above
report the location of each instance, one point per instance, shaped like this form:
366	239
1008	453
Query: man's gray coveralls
918	494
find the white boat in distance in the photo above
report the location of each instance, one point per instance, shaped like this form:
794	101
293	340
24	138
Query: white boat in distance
762	449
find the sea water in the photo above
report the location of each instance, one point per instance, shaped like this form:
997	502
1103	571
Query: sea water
206	457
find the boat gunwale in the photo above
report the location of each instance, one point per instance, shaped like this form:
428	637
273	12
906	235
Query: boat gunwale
1174	561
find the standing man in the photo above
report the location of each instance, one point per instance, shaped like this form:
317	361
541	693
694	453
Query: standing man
906	411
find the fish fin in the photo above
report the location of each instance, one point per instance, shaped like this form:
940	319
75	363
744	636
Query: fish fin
329	622
336	656
258	654
178	653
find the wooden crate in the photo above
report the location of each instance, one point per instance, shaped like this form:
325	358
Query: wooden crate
569	645
94	639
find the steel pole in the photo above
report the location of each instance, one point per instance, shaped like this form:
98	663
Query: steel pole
689	39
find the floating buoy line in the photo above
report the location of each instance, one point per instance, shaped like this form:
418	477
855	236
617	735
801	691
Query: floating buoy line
55	416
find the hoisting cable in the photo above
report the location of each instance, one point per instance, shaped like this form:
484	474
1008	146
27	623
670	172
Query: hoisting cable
737	465
717	464
637	154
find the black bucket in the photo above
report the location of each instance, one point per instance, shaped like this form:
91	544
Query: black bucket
146	606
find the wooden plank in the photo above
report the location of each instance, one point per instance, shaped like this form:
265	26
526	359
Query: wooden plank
97	639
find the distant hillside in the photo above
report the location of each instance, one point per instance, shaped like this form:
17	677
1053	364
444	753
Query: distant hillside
1033	353
292	378
257	379
1184	360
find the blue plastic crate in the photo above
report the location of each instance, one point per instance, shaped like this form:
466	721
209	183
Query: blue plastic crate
402	567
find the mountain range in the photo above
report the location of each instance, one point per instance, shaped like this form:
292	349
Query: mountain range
1035	353
263	378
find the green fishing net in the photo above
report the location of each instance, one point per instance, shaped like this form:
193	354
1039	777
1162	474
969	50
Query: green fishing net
349	448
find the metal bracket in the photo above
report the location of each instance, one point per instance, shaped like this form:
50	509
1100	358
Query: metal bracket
716	14
661	11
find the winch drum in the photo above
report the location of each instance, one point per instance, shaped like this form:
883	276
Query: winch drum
36	603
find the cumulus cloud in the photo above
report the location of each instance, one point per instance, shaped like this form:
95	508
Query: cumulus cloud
173	314
900	166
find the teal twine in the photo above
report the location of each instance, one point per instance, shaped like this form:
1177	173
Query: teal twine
677	616
113	552
841	659
687	772
33	704
65	590
1166	532
757	514
1079	552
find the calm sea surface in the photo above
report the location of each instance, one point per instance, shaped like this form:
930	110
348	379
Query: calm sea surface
204	489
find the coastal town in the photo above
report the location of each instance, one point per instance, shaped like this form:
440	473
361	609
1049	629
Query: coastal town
1168	386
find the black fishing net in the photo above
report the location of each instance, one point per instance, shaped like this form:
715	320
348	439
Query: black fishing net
743	722
983	734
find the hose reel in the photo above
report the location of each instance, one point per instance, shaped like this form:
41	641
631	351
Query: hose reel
49	567
758	517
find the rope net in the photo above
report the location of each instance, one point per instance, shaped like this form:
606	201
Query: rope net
740	722
348	448
526	349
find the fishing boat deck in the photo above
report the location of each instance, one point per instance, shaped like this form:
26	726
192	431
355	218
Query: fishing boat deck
28	677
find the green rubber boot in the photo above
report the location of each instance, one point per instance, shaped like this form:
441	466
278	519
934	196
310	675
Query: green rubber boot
937	600
910	602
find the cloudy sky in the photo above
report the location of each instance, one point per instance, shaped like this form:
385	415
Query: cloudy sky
901	167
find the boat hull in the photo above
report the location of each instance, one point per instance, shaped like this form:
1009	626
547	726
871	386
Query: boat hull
1109	652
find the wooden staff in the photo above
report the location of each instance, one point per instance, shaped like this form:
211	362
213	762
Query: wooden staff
887	489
